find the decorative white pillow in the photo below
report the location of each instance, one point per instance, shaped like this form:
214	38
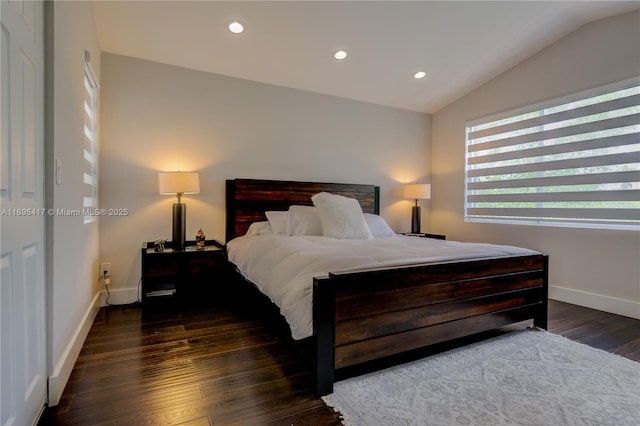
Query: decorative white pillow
303	220
379	227
259	228
278	221
341	217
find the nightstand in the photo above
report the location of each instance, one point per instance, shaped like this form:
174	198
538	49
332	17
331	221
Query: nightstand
436	236
176	280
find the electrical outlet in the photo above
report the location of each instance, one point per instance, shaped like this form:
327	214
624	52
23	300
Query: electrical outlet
105	270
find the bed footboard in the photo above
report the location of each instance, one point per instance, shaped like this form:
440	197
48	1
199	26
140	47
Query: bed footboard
368	315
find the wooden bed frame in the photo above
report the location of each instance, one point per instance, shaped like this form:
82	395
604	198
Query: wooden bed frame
364	316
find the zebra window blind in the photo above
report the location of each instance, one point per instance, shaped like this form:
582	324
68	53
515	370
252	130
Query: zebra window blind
573	161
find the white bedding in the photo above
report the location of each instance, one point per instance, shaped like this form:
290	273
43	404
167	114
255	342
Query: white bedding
283	267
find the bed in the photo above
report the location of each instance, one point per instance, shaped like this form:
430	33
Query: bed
367	314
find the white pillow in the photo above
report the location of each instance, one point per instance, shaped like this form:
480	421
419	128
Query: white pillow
341	217
259	228
303	220
278	221
379	227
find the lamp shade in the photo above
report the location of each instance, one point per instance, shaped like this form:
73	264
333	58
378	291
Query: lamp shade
178	183
420	191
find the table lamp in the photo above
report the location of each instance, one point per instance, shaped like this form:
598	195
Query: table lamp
178	183
420	191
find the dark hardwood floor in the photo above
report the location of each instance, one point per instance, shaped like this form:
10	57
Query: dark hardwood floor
612	333
222	366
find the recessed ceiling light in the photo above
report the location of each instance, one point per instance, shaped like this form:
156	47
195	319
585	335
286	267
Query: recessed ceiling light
340	55
419	75
236	27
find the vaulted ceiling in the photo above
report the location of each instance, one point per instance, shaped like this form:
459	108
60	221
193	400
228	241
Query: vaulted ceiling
458	44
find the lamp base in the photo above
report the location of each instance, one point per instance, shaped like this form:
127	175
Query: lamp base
179	222
415	220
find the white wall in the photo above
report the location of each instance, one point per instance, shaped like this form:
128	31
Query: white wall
595	268
72	246
158	117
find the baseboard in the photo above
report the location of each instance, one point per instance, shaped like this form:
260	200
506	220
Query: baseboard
58	380
609	304
120	296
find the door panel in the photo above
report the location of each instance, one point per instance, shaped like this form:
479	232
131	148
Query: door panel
5	147
7	328
28	116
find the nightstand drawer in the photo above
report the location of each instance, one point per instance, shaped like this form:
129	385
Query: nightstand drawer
159	265
203	263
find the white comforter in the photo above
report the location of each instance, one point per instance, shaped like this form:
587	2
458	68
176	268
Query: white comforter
283	267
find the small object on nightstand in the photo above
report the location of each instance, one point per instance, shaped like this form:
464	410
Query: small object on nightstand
158	245
200	239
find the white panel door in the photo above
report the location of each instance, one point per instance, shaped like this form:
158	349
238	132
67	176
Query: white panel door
22	250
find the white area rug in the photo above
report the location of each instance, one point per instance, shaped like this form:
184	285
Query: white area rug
526	377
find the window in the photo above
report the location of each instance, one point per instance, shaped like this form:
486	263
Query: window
573	161
90	161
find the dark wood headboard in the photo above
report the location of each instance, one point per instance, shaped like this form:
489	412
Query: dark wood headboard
248	199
